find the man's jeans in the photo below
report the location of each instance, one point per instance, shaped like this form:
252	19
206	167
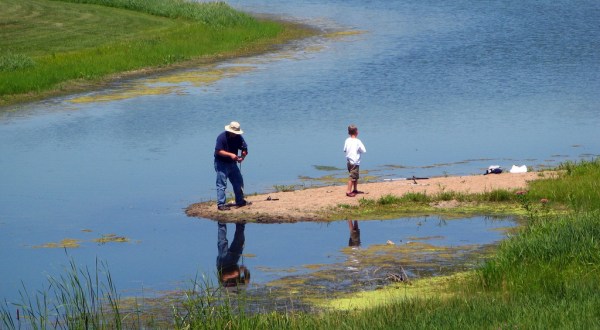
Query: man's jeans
224	171
229	255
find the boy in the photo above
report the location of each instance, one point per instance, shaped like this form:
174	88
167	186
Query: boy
353	148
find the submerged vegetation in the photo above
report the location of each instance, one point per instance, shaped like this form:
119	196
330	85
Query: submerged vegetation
545	276
56	46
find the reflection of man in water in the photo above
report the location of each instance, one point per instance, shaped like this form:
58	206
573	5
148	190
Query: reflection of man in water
354	233
229	271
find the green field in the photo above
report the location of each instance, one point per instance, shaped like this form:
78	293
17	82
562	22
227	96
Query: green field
53	47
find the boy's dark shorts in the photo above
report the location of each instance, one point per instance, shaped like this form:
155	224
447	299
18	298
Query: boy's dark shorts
353	170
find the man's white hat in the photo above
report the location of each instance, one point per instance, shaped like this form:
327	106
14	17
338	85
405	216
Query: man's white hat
234	127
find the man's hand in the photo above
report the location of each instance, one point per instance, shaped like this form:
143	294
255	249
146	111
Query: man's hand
241	159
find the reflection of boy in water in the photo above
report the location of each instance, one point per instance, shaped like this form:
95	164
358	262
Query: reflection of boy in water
354	233
230	273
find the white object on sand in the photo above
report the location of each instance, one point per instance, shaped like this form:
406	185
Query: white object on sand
518	169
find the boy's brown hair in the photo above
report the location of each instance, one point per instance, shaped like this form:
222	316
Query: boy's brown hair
352	129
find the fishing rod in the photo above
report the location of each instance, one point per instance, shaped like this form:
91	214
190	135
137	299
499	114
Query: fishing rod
413	178
240	161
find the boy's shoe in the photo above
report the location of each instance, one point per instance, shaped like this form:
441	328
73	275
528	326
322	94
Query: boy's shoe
244	203
358	192
223	208
351	194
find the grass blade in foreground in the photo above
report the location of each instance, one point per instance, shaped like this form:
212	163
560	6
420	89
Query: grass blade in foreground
74	300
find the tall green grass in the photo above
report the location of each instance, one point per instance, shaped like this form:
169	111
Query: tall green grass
207	306
84	299
577	186
78	299
554	252
553	255
184	43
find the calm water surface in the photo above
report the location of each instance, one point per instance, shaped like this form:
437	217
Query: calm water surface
435	88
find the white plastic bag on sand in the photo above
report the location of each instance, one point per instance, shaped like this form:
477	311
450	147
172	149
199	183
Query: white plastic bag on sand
518	169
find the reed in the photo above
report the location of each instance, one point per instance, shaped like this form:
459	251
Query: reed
206	306
78	299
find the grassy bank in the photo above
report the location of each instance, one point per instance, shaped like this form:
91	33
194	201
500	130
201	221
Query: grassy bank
49	47
546	276
495	202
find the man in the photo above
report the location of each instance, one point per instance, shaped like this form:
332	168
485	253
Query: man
354	233
226	158
230	272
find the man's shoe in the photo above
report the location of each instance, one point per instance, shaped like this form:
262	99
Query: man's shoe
223	208
358	192
350	194
244	203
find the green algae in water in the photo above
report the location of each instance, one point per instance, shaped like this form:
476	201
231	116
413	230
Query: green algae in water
67	243
327	168
376	267
434	287
111	238
336	179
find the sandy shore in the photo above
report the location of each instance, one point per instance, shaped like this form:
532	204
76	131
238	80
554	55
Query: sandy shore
310	204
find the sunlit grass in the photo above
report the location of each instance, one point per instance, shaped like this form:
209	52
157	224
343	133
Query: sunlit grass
495	202
577	185
553	254
12	62
214	14
51	46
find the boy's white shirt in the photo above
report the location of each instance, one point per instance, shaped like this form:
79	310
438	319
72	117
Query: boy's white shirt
353	148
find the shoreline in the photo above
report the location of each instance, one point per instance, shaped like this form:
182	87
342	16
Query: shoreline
293	31
318	204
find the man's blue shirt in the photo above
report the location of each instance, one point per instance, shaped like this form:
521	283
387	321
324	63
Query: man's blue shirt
230	143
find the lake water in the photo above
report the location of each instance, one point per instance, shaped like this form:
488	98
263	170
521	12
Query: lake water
435	88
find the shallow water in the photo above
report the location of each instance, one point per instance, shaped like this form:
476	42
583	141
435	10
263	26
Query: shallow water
435	88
